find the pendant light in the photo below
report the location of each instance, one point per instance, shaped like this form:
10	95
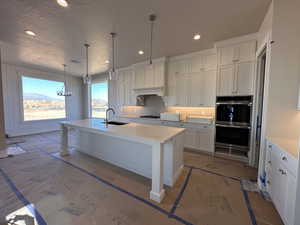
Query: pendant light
112	72
87	79
152	19
65	90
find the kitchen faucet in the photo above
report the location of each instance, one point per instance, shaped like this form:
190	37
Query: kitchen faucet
109	109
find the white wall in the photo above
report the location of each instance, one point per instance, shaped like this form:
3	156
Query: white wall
283	120
12	101
266	27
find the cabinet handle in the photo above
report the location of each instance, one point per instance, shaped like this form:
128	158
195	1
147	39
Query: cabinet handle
282	171
268	182
284	158
270	162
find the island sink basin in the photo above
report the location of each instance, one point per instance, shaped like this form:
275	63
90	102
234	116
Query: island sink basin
115	123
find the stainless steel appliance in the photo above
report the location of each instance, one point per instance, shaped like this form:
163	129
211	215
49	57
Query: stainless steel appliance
233	125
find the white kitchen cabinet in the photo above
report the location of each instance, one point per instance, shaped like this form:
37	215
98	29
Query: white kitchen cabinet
201	138
236	79
196	89
281	183
226	79
150	76
124	88
236	69
244	78
240	52
227	55
209	88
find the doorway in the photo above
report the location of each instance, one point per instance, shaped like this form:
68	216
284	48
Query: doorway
261	75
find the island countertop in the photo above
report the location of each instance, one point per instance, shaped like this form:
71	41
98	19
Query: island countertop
132	131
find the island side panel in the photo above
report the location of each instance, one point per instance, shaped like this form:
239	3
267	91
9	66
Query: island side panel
173	159
133	156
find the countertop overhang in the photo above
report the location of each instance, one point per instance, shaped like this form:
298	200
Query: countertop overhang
148	134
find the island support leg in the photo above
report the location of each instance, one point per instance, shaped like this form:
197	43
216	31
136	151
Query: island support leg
64	150
157	193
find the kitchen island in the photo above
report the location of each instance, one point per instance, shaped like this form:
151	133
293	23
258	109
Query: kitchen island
155	152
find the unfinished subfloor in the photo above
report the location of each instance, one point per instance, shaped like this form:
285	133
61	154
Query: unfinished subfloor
40	187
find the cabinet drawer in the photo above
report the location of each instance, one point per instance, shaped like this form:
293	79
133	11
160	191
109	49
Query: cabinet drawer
285	159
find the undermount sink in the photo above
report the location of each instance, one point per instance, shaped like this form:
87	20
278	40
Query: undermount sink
115	123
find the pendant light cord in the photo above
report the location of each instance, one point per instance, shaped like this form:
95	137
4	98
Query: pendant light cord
113	35
87	59
152	18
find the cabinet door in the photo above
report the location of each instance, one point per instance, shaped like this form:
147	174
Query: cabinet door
210	62
159	74
195	89
191	138
290	199
244	78
182	90
226	79
149	76
246	51
227	55
209	88
206	139
196	64
139	73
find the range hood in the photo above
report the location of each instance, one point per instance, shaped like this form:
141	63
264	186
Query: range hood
159	91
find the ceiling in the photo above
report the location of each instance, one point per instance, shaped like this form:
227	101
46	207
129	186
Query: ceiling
62	32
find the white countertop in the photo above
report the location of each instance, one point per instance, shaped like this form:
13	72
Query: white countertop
143	133
289	145
129	116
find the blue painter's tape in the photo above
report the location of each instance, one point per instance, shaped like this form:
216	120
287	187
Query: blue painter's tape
21	197
123	190
211	172
248	204
181	192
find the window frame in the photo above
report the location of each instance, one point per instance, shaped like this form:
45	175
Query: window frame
91	97
21	105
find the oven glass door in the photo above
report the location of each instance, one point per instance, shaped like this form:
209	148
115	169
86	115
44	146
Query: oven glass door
232	136
238	114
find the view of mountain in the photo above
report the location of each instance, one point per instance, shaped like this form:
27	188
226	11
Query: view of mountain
39	97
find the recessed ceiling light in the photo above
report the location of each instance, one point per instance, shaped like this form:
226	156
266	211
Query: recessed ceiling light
141	52
62	3
30	32
197	37
106	61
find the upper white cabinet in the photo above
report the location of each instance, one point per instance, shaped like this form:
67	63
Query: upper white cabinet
150	76
124	85
192	80
242	52
236	69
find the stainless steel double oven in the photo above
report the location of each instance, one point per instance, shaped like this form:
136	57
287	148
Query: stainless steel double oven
233	124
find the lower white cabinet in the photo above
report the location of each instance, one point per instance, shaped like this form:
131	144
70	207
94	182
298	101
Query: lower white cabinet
197	136
200	139
281	181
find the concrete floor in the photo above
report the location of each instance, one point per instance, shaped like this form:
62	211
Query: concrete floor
83	190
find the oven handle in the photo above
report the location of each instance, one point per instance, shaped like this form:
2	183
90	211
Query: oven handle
233	126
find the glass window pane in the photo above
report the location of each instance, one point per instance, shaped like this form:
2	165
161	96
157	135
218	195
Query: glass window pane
99	99
40	101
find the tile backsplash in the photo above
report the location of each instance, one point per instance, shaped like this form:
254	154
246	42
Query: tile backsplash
154	105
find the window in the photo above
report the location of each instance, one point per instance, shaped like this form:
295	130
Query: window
99	99
40	101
